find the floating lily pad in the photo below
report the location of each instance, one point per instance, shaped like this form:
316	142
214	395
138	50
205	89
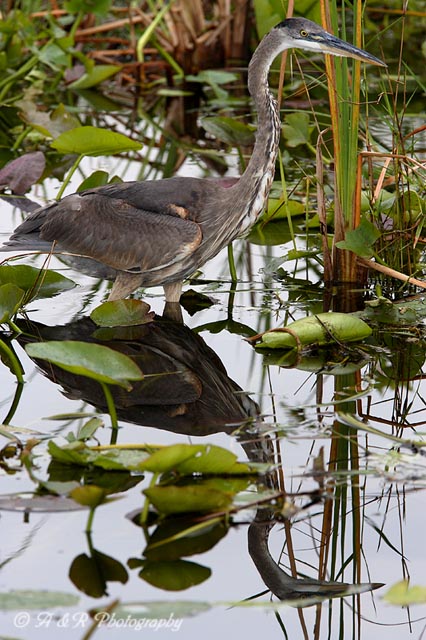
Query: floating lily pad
87	359
111	459
42	283
122	313
188	459
11	298
188	499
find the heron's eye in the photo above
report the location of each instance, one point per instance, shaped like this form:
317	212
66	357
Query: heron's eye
303	33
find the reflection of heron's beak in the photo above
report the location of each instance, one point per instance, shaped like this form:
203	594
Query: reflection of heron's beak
328	43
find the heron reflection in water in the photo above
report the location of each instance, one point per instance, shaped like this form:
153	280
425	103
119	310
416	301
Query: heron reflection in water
160	232
188	392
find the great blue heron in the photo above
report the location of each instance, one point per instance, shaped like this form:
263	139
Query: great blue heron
159	232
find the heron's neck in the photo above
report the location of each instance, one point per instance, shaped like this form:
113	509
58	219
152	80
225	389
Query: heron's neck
253	187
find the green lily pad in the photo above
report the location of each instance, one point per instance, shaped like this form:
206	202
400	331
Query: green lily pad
229	130
111	459
188	459
42	283
86	359
188	499
122	313
88	495
93	141
11	298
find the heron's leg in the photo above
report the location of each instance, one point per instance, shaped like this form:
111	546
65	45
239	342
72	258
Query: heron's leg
124	285
173	291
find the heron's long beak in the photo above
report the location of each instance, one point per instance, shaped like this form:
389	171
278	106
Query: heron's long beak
336	47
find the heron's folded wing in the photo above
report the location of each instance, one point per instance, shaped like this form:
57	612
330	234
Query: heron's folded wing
114	232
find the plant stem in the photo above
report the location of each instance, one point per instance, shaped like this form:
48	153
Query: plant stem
89	523
111	410
231	262
69	176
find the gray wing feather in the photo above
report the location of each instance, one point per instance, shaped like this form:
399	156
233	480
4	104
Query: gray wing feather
119	235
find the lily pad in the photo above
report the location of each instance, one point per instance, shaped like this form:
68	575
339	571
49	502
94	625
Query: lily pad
122	313
229	130
111	459
188	459
11	298
86	359
42	283
93	141
188	499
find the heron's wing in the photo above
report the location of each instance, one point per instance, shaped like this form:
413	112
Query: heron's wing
118	234
158	195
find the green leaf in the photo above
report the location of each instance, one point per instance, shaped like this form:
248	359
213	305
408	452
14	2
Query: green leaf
229	130
174	576
11	298
43	283
89	428
169	458
190	458
88	495
92	141
87	359
297	130
361	240
122	313
96	179
110	459
212	459
319	330
187	499
98	74
213	76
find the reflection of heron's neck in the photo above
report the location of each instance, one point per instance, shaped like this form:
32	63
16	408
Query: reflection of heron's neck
253	187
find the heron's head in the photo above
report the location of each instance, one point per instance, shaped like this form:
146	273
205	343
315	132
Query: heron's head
301	33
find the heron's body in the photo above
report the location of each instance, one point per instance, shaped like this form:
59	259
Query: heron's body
159	232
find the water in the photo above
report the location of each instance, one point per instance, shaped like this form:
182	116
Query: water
366	513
